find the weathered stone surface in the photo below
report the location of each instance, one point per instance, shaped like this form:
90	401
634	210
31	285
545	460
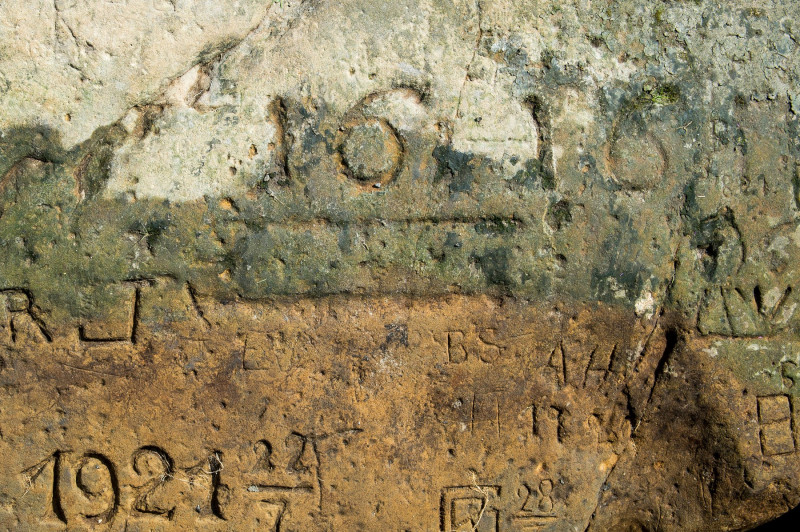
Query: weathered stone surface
433	265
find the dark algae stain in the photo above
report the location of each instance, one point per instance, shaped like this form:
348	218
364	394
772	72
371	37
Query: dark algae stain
496	267
559	215
535	174
454	166
495	227
38	142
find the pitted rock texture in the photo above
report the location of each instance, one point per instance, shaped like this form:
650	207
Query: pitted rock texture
433	265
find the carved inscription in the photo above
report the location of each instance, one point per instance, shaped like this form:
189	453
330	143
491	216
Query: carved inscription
76	489
120	325
776	425
537	509
470	508
747	313
357	251
314	384
530	506
20	323
268	515
156	468
479	413
86	488
285	468
475	346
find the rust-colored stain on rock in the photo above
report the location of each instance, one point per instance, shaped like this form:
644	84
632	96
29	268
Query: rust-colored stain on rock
483	266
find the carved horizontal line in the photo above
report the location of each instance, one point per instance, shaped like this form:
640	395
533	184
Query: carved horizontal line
362	221
269	487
